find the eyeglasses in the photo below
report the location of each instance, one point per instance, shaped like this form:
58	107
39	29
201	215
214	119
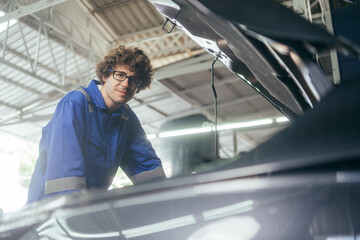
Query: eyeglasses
121	76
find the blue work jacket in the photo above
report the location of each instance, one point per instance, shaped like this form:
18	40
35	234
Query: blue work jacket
84	144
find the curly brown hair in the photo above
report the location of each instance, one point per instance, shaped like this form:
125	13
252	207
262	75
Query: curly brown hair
135	58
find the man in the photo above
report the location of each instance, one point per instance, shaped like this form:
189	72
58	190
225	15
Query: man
93	132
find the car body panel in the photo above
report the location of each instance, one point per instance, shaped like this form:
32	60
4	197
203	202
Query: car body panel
272	51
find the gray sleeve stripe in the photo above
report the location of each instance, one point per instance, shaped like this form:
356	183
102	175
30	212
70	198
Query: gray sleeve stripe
148	175
64	184
87	96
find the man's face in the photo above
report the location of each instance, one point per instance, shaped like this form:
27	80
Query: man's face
117	93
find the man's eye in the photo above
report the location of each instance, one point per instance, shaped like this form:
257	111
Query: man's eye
120	75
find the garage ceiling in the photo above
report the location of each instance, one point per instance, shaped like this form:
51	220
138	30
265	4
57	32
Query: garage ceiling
48	48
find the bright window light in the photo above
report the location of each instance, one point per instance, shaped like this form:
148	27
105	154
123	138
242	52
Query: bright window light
151	136
3	25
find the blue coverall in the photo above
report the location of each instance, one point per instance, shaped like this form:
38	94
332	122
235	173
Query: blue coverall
84	144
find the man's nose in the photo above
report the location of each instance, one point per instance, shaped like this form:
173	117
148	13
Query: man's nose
125	83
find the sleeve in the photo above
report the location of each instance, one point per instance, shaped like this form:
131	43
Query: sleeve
65	170
141	162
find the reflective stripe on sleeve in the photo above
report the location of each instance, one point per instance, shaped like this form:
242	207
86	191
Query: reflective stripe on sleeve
88	98
148	175
64	184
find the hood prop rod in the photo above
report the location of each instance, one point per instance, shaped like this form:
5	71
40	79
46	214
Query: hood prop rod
215	106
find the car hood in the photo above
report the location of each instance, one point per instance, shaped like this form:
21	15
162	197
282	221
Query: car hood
273	51
199	207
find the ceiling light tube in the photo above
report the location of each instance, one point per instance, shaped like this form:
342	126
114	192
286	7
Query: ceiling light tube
260	122
190	131
183	132
281	119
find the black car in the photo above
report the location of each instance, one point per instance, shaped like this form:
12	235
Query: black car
303	183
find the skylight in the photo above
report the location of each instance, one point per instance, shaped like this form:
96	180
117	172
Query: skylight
4	25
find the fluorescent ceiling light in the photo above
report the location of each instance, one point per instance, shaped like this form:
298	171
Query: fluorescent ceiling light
282	119
238	125
341	237
182	132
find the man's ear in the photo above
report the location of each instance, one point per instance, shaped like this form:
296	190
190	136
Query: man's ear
104	79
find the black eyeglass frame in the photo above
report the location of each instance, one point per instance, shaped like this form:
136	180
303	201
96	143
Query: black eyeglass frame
131	79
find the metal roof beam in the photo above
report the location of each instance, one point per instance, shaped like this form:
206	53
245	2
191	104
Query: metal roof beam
103	26
27	58
10	106
151	99
189	66
29	9
221	82
165	42
28	120
61	36
172	50
12	82
191	101
142	103
26	113
234	102
110	5
33	75
142	32
210	106
156	38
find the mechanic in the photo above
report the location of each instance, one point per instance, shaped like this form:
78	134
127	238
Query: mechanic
93	132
